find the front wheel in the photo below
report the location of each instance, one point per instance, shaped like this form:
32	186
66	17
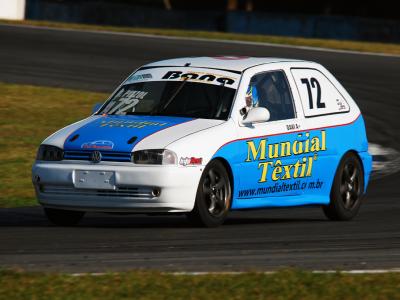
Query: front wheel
347	190
63	217
213	198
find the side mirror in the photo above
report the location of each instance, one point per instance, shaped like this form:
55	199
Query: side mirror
256	115
96	107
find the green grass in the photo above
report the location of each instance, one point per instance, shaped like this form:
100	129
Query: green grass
28	115
287	284
324	43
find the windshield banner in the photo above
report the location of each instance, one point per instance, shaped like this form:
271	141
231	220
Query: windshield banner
201	75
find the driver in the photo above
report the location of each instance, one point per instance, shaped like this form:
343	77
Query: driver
251	97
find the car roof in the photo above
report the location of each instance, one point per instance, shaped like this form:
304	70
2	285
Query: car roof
231	63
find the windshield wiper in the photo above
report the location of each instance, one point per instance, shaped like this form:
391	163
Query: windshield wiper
171	98
220	100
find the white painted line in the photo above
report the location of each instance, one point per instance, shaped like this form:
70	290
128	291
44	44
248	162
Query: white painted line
352	272
370	271
89	274
224	41
213	273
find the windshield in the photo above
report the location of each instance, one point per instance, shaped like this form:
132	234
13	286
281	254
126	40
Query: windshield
172	98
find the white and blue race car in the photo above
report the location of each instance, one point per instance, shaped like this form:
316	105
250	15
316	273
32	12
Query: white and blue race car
203	136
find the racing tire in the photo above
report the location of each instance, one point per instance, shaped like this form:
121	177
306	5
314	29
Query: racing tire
63	217
347	190
213	197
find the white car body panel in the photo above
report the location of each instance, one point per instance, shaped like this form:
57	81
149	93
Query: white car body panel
58	138
164	138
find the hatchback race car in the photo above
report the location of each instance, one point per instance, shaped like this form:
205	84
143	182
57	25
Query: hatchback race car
203	136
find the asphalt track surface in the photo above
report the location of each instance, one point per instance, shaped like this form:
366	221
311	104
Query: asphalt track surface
251	240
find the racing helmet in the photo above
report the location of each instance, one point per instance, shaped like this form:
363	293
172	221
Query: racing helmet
253	94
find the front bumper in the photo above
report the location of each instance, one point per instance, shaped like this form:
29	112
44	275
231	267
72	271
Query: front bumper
55	187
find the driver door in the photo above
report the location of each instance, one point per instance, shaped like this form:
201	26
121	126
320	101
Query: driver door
270	167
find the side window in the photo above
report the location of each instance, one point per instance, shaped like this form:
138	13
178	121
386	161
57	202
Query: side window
271	90
318	95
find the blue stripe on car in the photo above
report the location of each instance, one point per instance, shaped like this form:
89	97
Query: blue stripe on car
112	133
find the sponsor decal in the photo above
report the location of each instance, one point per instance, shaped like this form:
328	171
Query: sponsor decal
101	145
269	156
280	187
124	101
341	105
198	76
276	176
187	161
140	77
133	95
131	124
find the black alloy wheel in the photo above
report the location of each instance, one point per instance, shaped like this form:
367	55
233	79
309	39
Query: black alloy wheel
213	198
347	189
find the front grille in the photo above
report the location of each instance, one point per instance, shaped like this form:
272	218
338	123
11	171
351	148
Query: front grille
105	155
123	192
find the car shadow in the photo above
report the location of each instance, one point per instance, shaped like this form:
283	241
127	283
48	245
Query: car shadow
34	217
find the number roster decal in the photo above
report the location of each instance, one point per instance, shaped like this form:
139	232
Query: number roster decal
317	93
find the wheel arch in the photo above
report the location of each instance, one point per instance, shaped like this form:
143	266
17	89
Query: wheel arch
229	170
355	152
365	180
357	155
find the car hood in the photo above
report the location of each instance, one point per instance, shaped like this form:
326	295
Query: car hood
125	133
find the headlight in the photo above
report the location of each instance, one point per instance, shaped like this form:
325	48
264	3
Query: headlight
154	157
49	153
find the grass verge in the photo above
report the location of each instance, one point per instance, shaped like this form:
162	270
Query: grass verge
28	115
309	42
287	284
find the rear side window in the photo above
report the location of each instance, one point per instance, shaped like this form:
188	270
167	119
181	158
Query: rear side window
271	90
318	95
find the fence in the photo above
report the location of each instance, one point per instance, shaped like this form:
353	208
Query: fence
116	13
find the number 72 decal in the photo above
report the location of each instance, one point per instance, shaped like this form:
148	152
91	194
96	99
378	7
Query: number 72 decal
313	83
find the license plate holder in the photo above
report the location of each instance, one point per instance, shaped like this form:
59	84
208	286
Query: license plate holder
99	180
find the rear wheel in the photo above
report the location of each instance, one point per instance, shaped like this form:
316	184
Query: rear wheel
63	217
347	189
213	198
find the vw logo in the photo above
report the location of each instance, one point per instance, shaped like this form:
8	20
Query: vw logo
95	157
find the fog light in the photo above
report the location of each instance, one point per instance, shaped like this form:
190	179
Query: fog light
37	178
156	192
